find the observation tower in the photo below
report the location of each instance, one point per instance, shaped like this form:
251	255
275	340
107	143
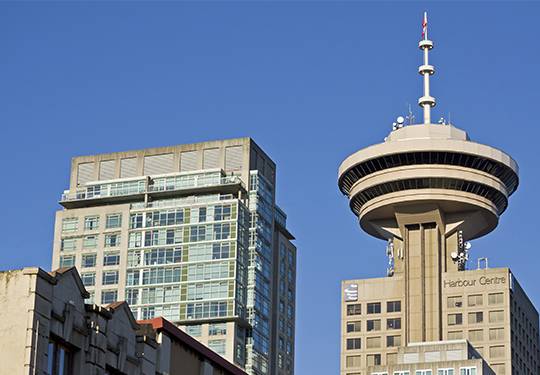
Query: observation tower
427	189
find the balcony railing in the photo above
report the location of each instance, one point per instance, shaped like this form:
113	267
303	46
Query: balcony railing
162	184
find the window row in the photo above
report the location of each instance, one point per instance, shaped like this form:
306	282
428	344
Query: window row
191	253
374	308
475	300
107	278
477	335
197	233
475	317
178	216
71	224
373	342
90	260
373	325
89	242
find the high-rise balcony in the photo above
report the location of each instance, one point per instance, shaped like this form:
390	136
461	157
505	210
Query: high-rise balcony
159	187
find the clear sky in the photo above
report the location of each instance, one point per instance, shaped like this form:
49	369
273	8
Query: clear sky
311	82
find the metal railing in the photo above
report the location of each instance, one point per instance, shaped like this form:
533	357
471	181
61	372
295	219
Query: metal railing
157	185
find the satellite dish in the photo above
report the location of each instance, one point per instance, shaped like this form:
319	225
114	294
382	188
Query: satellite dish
467	245
454	255
400	120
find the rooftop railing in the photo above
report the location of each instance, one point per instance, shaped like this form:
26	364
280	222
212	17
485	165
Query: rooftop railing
161	184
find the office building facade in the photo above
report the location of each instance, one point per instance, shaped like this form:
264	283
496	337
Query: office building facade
427	190
191	233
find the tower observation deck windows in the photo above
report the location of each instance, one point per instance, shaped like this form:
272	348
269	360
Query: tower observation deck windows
501	171
492	194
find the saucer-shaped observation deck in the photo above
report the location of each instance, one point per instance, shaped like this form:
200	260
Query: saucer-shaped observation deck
434	164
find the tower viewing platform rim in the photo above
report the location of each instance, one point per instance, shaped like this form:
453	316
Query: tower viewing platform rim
428	151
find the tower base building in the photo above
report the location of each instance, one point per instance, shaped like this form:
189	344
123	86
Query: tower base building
427	190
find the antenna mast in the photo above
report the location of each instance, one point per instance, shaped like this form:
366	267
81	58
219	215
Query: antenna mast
426	101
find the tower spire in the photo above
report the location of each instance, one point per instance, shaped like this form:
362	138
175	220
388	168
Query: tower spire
426	101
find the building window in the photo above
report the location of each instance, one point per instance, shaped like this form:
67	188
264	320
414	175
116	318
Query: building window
455	335
374	308
445	371
132	296
476	335
354	326
476	317
496	316
495	298
373	342
392	341
467	371
475	300
68	244
401	372
109	296
195	331
88	260
70	225
112	240
217	345
110	278
394	323
496	333
90	242
67	261
88	279
91	222
111	259
373	359
135	239
353	361
136	221
353	344
423	372
455	319
393	306
453	302
496	351
373	325
59	359
355	309
113	221
217	329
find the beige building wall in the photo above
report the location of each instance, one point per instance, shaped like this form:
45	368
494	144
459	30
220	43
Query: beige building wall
44	320
486	306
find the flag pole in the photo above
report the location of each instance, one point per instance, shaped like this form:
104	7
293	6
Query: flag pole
426	70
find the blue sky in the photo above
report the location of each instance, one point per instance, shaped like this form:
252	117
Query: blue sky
311	82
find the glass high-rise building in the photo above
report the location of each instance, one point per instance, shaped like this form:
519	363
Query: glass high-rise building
191	233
